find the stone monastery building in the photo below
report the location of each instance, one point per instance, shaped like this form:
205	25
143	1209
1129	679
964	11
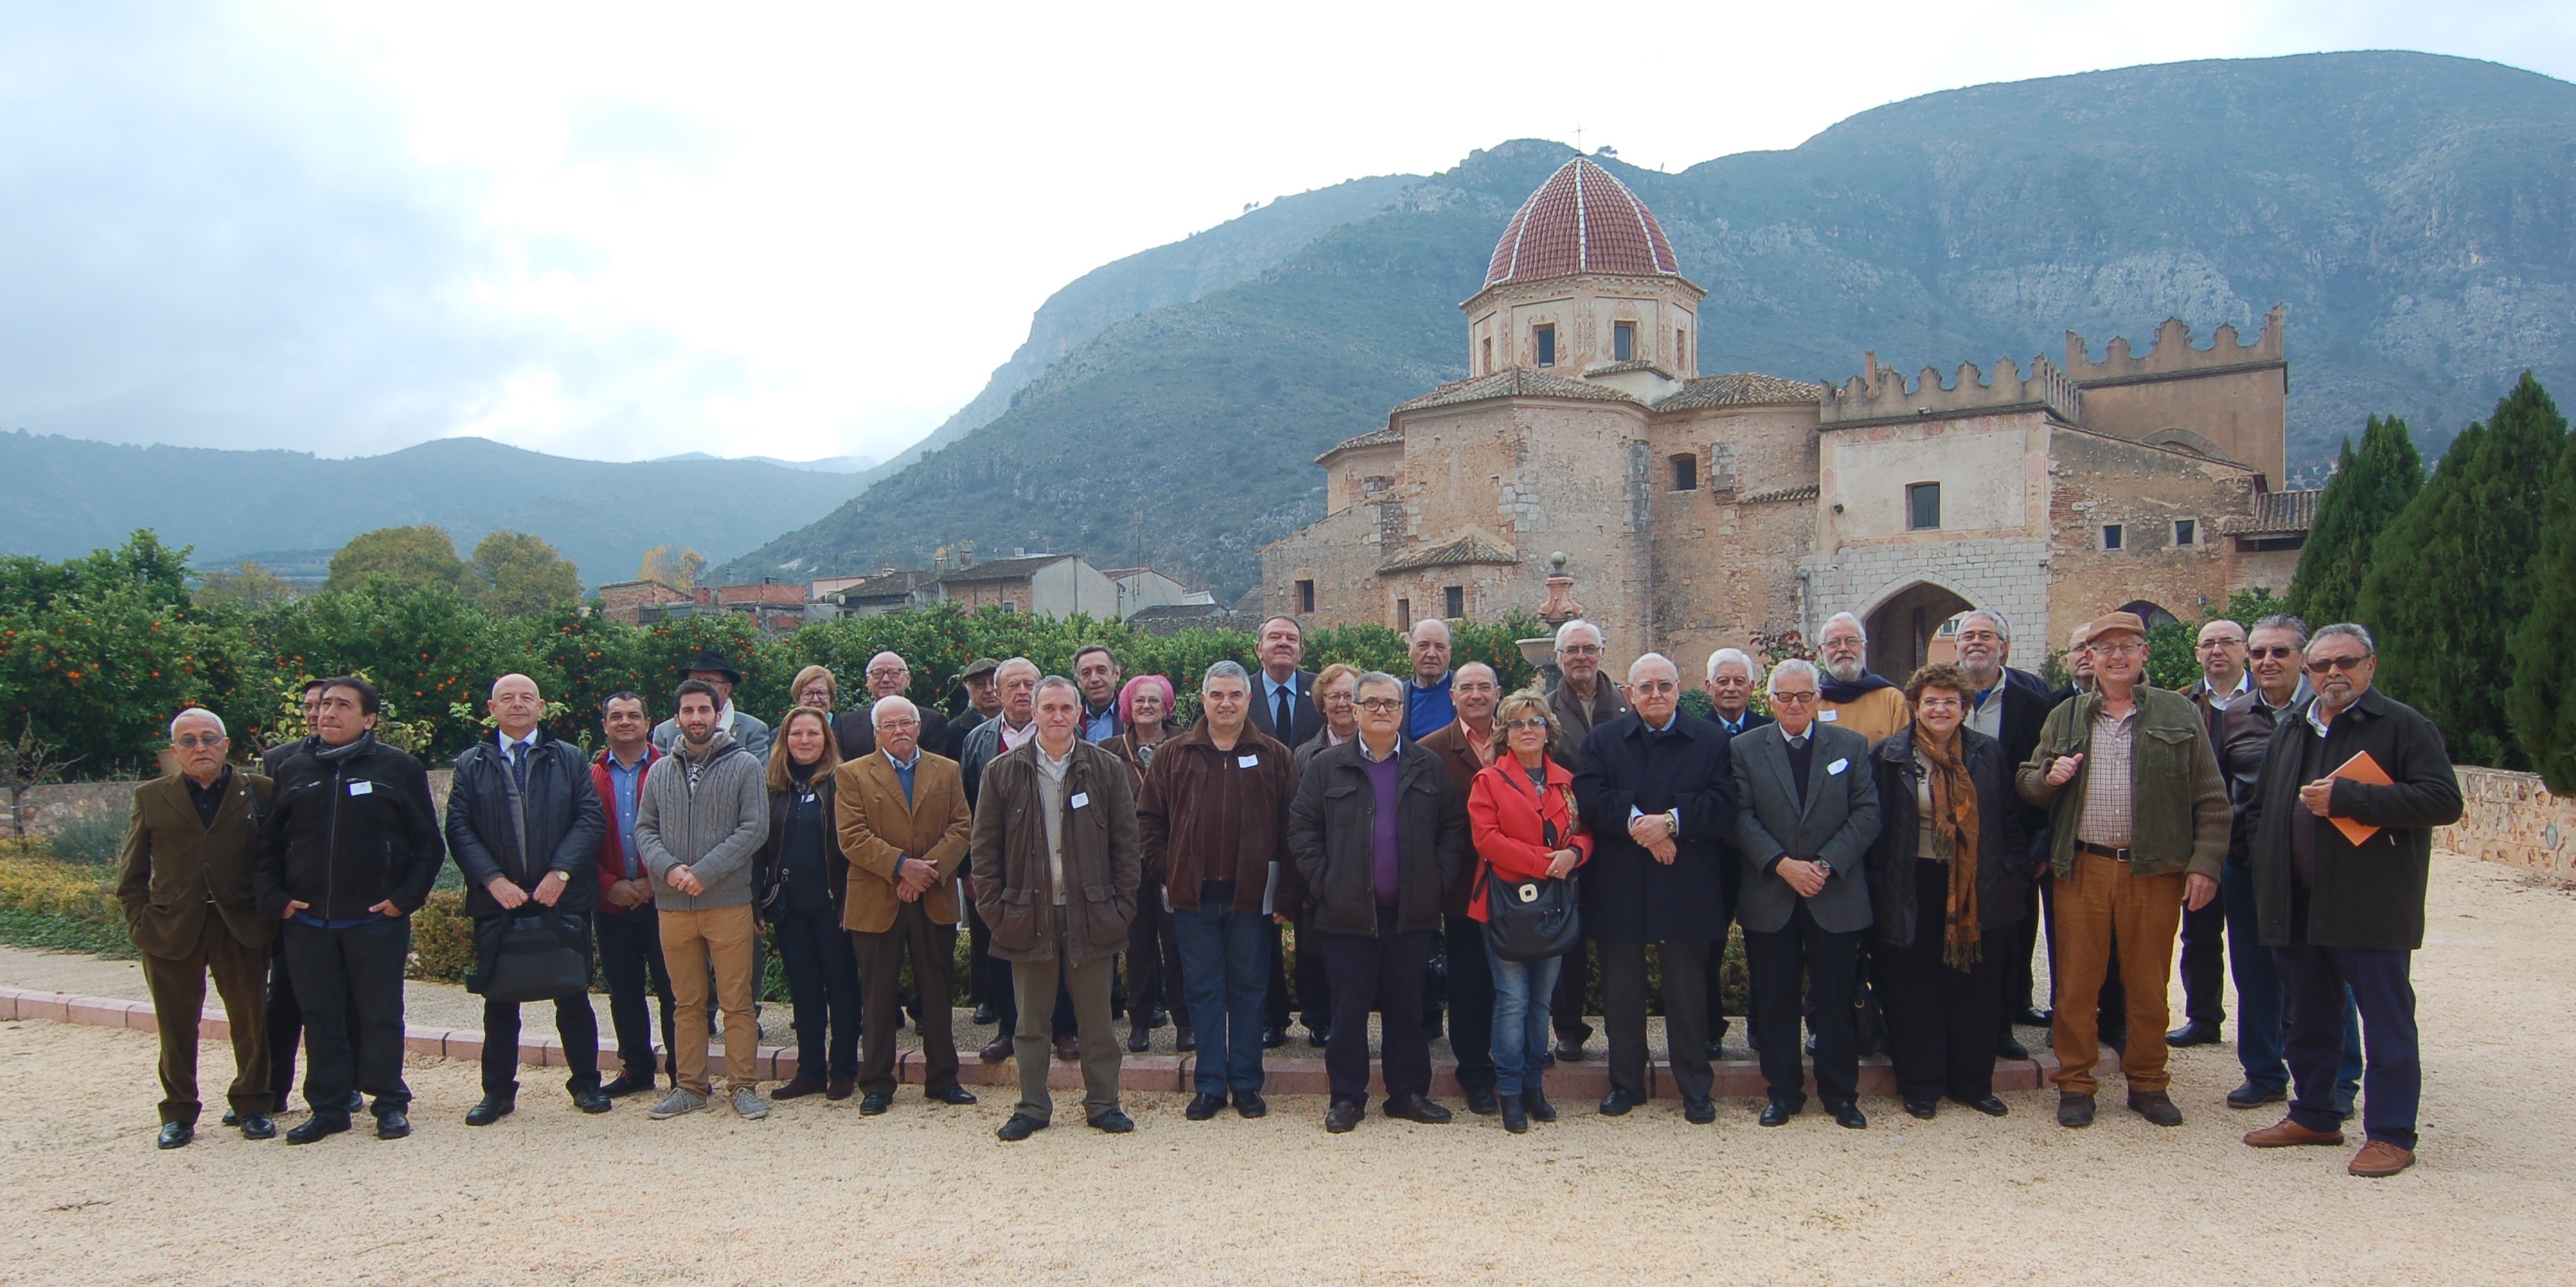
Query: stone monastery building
1697	510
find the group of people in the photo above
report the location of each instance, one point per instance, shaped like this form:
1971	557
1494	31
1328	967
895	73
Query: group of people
1445	851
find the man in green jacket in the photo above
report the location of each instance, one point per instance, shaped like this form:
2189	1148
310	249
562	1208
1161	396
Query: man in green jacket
2139	822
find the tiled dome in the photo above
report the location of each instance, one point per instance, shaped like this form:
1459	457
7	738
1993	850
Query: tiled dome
1581	221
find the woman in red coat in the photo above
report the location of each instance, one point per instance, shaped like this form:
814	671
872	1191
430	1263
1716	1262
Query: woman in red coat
1521	812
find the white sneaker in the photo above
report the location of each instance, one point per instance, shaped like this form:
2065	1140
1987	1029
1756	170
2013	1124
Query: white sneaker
680	1100
748	1105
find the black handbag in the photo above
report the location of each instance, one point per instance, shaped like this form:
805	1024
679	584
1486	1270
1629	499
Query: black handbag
531	956
1532	920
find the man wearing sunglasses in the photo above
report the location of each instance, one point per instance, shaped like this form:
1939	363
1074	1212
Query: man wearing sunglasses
2138	823
2343	906
2223	680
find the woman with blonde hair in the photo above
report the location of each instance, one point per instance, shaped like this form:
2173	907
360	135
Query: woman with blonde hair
1153	940
1527	830
797	891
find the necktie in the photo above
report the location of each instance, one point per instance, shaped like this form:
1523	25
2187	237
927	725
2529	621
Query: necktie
1282	720
519	764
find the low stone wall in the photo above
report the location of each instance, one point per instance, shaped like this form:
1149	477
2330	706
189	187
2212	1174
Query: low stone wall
2512	818
48	807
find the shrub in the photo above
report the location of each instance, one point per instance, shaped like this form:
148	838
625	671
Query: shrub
70	906
442	939
93	835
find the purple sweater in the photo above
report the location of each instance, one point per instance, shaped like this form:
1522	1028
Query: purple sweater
1382	775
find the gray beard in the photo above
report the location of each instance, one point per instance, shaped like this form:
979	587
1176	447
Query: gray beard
1848	672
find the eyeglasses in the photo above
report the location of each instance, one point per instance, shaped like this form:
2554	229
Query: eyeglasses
1581	650
1655	687
2276	654
897	673
2348	665
1380	705
1793	699
2207	644
1940	704
2117	649
192	741
1526	725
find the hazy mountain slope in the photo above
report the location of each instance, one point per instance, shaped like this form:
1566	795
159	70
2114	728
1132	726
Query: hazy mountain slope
64	496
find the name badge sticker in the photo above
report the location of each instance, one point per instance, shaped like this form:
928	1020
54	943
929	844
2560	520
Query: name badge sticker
1830	717
1080	798
362	787
1247	761
1836	767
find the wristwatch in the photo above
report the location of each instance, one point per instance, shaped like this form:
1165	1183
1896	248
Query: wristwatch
1825	867
1673	823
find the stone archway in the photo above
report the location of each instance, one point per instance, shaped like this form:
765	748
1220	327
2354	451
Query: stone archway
2151	614
1902	628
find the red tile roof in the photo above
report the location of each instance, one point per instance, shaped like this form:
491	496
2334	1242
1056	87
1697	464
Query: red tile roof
1581	221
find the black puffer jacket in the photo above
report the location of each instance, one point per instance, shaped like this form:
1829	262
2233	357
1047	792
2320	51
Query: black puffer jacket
348	831
2003	843
565	823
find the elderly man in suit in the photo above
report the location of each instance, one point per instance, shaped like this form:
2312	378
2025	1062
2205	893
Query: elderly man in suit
1285	709
904	827
2009	706
889	675
1655	791
184	880
1809	816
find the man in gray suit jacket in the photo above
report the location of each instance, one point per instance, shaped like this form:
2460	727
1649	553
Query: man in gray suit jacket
1807	812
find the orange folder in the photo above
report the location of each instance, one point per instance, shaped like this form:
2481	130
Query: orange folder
2360	768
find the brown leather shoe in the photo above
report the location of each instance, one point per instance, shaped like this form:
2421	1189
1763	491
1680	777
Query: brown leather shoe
2074	1110
2285	1132
996	1050
798	1087
2380	1159
2156	1106
839	1087
1068	1048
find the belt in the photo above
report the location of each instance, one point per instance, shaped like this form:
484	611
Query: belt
2088	847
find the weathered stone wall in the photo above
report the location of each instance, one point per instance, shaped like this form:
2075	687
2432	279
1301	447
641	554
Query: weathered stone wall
1725	564
2512	818
2096	479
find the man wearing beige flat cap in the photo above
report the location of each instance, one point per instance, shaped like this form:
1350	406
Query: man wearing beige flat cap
2139	818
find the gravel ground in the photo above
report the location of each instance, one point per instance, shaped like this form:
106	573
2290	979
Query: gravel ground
925	1193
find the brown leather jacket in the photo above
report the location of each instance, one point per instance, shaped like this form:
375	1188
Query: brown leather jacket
1178	830
1008	853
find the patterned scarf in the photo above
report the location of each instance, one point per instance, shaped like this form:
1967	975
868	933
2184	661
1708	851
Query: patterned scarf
1954	841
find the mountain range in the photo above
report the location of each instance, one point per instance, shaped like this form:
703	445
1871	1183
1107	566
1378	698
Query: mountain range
2417	213
288	510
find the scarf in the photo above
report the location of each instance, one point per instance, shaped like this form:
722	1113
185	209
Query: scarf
1954	841
1842	694
330	754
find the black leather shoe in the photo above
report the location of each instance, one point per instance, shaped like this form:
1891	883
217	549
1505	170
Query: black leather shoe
1113	1122
983	1014
1185	1040
837	1089
1848	1117
1713	1048
592	1101
1535	1100
176	1134
2156	1106
875	1103
627	1084
952	1094
318	1126
1922	1109
1139	1039
1249	1103
393	1124
492	1109
1515	1117
1203	1106
1483	1102
1316	1037
1020	1127
2008	1048
1570	1051
2033	1017
2074	1110
1415	1108
1699	1110
231	1118
1344	1116
357	1102
798	1087
1779	1111
1273	1037
258	1126
2194	1033
1617	1103
2250	1095
1989	1105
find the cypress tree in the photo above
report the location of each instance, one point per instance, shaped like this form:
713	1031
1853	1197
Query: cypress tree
2369	490
2543	702
2449	581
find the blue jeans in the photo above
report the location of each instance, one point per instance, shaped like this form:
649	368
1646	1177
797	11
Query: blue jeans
1225	981
2393	1083
1522	993
2260	1027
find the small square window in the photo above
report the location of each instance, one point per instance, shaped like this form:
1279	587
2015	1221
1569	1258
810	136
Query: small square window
2113	536
2186	531
1305	596
1623	342
1923	506
1686	472
1546	336
1453	602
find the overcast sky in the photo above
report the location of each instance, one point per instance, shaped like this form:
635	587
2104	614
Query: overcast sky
625	231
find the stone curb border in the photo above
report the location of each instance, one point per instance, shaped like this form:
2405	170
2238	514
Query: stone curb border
1736	1078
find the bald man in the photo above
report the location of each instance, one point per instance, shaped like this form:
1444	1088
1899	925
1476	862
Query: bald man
1427	707
524	822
